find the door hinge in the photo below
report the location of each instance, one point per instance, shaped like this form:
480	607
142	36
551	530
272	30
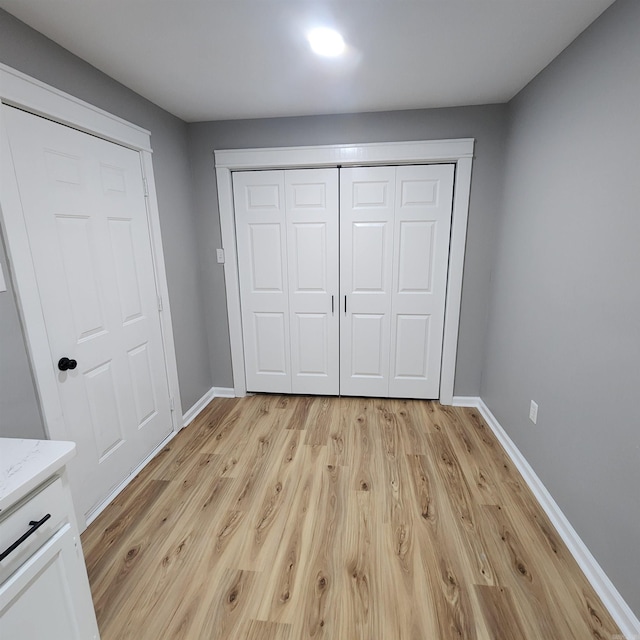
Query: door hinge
146	187
172	403
160	305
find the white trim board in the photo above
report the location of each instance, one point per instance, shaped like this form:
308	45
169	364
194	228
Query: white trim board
458	152
346	155
610	596
20	90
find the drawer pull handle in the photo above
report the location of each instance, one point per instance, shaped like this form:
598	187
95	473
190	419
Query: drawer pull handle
35	525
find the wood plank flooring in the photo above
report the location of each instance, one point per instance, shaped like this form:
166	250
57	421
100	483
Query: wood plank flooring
284	518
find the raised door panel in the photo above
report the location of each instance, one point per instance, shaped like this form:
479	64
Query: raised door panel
271	340
312	260
313	354
367	200
370	258
422	227
86	218
106	423
261	236
368	337
265	257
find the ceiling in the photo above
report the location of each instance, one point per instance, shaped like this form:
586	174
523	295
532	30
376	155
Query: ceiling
227	59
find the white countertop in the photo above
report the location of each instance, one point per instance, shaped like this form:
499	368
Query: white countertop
24	464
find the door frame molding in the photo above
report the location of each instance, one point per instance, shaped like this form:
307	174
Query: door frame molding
20	90
456	151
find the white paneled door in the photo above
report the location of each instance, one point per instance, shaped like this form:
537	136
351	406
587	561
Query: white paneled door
287	241
422	227
312	249
85	214
367	200
384	239
261	232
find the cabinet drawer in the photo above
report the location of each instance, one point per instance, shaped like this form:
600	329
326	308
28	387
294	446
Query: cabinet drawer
16	524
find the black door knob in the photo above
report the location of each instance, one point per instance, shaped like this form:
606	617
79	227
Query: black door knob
66	363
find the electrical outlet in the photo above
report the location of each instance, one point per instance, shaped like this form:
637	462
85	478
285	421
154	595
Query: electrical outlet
220	256
533	412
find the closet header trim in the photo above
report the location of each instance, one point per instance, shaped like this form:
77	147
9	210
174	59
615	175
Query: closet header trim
346	155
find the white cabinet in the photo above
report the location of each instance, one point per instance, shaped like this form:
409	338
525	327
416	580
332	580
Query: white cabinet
343	276
47	597
44	590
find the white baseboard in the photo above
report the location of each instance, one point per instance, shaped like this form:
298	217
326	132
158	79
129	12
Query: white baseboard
611	598
465	401
224	392
114	494
191	414
214	392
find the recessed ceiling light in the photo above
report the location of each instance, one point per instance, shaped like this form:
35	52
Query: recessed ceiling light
326	42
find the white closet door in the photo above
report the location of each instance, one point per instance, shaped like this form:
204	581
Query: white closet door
367	198
312	255
259	200
382	335
421	253
85	214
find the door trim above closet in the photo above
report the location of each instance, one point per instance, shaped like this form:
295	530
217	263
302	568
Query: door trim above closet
29	94
458	152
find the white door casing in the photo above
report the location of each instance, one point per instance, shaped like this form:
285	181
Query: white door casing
458	152
287	239
31	95
84	209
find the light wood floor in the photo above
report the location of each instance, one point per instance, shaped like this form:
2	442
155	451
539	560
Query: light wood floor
283	518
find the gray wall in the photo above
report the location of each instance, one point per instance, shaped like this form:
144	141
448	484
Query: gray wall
486	124
28	51
19	410
564	325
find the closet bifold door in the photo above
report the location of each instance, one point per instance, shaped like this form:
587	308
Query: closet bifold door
367	200
261	238
422	228
312	251
387	247
394	251
287	243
